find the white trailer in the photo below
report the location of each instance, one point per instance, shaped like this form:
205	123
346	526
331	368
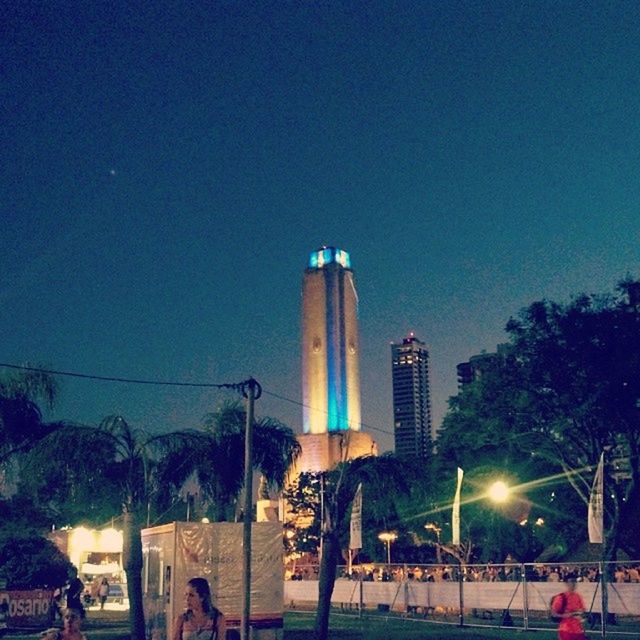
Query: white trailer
176	552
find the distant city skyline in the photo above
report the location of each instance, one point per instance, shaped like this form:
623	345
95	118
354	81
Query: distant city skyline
165	171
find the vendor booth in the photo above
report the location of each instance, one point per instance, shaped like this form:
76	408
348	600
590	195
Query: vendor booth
176	552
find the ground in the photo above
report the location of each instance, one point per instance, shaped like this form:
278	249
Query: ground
113	625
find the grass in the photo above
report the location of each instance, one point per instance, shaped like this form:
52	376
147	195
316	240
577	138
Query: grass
298	626
109	625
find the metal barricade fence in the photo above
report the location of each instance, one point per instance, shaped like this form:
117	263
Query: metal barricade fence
508	595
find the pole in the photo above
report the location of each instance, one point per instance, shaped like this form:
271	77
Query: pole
361	600
321	518
604	566
605	600
389	553
461	593
249	391
525	597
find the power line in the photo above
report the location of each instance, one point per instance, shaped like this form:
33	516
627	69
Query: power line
236	386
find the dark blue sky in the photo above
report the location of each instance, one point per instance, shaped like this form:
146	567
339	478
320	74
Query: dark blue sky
166	168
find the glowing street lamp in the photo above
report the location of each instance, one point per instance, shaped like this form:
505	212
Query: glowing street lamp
388	537
499	491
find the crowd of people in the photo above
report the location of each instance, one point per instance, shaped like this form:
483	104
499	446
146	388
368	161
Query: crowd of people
473	573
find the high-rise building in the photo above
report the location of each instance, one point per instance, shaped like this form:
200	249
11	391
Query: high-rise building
411	398
330	368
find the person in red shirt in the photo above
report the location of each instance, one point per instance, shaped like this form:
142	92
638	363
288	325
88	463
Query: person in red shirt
568	607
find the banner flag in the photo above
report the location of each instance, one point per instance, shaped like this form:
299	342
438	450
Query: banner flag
455	516
355	539
595	515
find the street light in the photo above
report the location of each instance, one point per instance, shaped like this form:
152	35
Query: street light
388	537
499	491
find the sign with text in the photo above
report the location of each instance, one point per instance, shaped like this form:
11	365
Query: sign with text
25	608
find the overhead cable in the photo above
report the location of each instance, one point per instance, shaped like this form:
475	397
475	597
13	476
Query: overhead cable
236	386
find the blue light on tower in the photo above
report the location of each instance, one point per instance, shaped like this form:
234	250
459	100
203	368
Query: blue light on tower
327	255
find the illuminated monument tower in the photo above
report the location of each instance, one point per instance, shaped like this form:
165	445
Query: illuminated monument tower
330	376
330	373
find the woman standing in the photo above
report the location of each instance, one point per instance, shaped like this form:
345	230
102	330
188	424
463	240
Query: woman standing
201	620
103	592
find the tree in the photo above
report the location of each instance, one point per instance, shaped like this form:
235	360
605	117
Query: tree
302	496
32	562
21	423
564	389
581	363
21	426
19	516
383	477
221	468
479	436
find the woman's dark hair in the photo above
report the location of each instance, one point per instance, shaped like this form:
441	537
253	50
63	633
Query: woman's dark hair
201	587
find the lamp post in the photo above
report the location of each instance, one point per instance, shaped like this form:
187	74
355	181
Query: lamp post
388	537
499	492
431	526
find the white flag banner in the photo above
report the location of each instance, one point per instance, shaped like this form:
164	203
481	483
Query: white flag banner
455	516
355	539
595	516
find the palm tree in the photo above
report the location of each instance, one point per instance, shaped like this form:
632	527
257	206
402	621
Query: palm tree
275	448
139	469
21	423
218	466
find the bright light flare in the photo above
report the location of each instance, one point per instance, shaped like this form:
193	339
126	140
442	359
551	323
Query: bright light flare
109	541
498	491
82	539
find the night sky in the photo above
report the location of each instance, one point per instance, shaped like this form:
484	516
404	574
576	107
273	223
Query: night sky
166	168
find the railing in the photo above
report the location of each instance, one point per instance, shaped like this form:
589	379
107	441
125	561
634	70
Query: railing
513	595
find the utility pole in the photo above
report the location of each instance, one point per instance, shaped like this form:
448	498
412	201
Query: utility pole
251	391
321	517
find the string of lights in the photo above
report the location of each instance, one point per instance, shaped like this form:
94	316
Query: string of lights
236	386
